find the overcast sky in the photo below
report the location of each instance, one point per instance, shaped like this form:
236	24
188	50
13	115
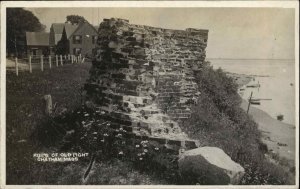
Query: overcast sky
245	33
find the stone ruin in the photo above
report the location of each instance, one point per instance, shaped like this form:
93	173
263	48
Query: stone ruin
142	79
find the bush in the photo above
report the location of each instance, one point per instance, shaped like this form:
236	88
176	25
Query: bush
217	120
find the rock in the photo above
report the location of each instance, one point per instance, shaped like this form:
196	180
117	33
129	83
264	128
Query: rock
209	165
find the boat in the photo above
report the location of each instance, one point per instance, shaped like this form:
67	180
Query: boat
255	102
254	85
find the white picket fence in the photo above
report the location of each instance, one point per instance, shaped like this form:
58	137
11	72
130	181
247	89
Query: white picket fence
42	61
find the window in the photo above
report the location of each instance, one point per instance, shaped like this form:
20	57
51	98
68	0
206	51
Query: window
34	51
95	39
77	51
77	39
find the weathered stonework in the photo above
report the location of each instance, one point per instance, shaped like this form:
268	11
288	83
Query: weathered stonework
142	78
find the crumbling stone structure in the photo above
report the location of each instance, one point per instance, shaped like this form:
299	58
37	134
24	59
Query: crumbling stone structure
142	78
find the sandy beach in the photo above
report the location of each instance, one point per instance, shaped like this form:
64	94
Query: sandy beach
278	136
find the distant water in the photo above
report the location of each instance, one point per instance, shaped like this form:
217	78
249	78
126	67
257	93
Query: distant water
279	86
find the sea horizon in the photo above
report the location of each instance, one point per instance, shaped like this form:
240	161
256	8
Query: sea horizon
278	86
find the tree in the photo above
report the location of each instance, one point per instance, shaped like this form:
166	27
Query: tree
75	19
18	22
62	47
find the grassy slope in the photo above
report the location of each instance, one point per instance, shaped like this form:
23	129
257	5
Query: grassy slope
219	121
25	113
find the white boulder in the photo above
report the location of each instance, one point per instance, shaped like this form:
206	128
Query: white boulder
209	165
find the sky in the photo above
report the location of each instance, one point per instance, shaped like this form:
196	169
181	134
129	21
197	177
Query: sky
238	33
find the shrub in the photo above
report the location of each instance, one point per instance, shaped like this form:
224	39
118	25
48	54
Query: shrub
217	120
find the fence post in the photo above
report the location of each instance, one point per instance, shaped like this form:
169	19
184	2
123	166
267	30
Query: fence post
61	60
72	59
56	58
79	57
42	63
68	56
30	67
16	64
50	61
48	104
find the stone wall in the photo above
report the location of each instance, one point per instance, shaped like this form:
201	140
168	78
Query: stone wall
142	78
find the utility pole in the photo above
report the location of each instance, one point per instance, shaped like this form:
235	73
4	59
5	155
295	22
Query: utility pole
249	102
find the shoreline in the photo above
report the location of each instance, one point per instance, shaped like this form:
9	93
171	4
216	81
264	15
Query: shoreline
279	137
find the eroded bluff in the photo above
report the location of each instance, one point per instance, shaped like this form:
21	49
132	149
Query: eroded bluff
142	79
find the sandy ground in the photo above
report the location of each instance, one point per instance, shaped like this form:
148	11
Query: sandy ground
240	79
278	136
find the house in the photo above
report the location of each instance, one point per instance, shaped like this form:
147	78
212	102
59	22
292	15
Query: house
37	43
56	31
77	39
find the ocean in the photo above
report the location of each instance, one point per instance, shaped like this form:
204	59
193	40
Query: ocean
279	85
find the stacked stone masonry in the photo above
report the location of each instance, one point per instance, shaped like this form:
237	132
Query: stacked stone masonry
142	77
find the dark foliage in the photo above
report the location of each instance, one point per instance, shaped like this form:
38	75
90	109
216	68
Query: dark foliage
75	19
18	22
62	47
219	121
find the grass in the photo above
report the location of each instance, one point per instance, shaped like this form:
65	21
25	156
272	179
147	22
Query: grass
25	113
28	131
218	121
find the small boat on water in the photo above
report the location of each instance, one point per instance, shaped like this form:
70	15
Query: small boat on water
254	85
280	117
255	102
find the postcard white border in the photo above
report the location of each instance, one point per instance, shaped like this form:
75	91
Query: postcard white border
174	4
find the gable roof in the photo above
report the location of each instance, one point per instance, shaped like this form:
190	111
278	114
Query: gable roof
70	29
37	38
96	28
58	27
81	25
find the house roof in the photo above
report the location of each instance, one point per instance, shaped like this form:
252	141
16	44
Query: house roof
70	29
96	28
59	27
82	24
37	38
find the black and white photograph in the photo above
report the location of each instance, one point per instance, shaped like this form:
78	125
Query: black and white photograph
149	94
